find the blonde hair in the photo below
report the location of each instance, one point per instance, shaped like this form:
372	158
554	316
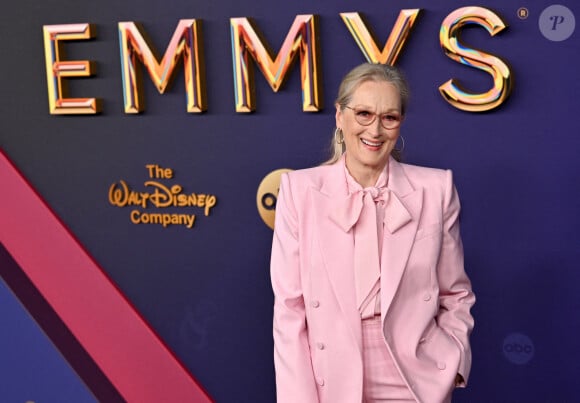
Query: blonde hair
360	74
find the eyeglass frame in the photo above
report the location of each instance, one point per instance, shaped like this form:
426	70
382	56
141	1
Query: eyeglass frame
399	121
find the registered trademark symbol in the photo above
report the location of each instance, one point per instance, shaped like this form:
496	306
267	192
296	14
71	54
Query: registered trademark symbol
523	13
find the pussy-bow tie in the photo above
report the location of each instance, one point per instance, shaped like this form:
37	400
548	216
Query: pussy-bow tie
360	209
347	210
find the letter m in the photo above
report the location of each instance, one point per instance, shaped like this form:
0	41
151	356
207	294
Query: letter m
302	39
186	42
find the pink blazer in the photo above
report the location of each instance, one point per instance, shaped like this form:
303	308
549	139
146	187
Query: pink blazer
425	294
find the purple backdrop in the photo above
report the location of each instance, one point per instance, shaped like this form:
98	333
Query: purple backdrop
206	290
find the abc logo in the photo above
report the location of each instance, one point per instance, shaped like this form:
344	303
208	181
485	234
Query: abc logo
518	348
267	196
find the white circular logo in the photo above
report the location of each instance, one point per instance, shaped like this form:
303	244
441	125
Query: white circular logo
557	23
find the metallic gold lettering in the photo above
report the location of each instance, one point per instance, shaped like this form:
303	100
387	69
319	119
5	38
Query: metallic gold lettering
163	219
209	202
120	195
367	43
302	39
451	91
57	69
155	171
186	42
134	216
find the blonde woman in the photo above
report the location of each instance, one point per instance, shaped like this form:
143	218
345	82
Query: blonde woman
372	303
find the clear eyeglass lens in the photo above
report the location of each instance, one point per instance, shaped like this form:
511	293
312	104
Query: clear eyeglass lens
366	118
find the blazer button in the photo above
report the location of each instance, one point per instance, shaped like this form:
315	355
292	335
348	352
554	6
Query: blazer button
315	304
320	346
320	381
441	365
426	297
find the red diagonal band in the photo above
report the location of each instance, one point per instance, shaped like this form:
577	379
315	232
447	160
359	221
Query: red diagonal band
122	344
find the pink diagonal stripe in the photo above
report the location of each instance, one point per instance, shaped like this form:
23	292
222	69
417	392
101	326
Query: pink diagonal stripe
122	344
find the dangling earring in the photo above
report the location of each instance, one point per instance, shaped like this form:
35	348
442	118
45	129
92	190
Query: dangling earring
338	136
400	150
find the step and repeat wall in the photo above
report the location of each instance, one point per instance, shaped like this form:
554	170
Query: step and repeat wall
147	139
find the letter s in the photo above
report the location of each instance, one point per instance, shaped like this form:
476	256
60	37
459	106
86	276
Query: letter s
454	49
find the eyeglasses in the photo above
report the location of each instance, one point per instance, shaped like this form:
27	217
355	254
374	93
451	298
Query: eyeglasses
366	118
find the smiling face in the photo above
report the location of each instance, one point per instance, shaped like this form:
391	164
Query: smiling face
368	147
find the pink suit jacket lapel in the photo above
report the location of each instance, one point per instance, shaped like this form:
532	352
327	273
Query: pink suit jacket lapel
336	246
397	244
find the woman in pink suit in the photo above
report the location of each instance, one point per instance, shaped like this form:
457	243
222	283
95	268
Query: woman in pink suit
372	303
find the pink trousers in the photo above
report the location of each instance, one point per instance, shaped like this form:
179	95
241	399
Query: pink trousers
381	379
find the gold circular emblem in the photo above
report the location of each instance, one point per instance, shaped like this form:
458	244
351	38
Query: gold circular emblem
267	196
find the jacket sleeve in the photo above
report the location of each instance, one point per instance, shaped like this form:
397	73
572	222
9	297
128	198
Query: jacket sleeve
294	376
455	294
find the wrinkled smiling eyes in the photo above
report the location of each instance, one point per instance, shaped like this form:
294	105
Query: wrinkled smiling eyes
365	118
